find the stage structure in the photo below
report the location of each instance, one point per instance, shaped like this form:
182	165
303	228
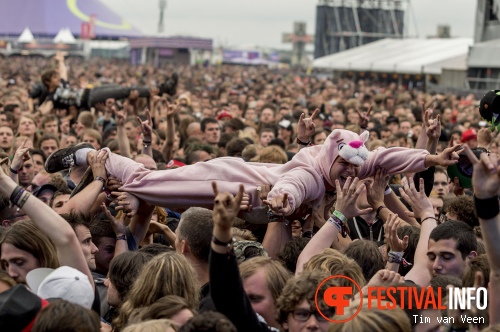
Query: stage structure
345	24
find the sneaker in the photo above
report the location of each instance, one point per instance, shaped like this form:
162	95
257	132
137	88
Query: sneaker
170	85
64	158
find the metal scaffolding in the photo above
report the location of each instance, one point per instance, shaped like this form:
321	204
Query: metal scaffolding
344	24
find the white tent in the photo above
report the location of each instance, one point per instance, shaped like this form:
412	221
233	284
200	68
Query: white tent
403	56
26	36
64	36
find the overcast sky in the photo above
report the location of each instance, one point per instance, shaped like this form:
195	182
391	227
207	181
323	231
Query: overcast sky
262	22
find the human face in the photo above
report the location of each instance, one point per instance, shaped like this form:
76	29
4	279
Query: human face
260	296
71	140
106	247
91	140
88	247
267	115
250	115
49	146
212	133
26	173
437	204
45	196
342	169
59	202
51	127
131	131
17	262
385	134
266	137
311	324
296	229
6	137
445	259
319	139
202	156
441	184
3	120
113	298
405	127
26	127
394	127
38	163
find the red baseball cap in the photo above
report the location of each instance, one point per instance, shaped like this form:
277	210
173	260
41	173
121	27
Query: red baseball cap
224	114
468	135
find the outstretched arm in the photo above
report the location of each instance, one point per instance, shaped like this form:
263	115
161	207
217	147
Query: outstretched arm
422	208
345	208
51	224
226	285
486	184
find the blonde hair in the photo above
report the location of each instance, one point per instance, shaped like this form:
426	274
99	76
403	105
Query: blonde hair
243	234
276	274
335	263
273	155
155	325
375	144
372	319
166	274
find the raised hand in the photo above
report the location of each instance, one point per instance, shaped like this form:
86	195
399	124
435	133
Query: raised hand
117	224
279	204
347	196
375	192
485	175
97	162
127	203
391	234
21	155
364	118
120	115
447	157
432	126
226	207
146	126
420	204
306	126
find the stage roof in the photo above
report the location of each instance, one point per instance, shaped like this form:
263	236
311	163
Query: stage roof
46	17
485	54
403	56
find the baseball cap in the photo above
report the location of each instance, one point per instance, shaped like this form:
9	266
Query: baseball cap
463	169
65	283
489	107
19	308
468	135
224	114
240	250
286	124
38	190
174	164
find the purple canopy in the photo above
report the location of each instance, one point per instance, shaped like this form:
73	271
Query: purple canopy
46	17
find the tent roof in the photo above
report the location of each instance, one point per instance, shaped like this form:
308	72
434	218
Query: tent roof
64	36
404	56
47	17
485	54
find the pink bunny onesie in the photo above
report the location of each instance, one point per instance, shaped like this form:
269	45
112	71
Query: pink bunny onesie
302	178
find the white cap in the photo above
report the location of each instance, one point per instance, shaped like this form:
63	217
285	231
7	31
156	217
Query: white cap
64	283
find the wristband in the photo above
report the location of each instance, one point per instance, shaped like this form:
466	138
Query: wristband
341	226
422	221
229	245
397	257
340	216
100	178
23	200
302	143
388	190
271	217
486	208
13	171
16	194
121	237
380	209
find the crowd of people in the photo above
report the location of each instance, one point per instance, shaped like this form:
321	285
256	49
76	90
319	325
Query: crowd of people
219	198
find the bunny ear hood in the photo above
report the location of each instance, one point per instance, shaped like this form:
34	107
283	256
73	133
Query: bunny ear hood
343	143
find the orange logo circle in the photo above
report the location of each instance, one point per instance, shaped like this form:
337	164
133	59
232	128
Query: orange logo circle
334	297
